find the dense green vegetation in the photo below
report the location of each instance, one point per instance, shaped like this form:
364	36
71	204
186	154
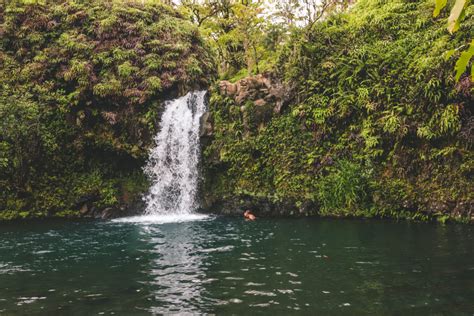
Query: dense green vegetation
377	125
81	86
374	114
247	36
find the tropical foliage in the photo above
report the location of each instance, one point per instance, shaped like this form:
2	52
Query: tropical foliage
81	84
377	125
375	121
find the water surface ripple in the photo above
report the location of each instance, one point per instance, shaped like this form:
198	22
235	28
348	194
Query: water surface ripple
229	266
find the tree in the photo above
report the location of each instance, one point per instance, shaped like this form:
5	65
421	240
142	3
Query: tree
234	28
307	12
247	34
248	26
201	10
287	10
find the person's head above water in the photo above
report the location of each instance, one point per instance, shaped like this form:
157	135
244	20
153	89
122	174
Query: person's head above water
249	215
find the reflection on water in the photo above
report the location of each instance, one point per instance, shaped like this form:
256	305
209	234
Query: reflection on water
229	266
176	271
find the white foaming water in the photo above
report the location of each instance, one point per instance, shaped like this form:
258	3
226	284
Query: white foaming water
163	219
173	163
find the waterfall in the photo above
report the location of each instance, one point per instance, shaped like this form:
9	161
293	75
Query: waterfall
173	163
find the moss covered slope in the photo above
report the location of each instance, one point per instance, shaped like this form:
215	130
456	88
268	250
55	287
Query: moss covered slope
376	124
81	87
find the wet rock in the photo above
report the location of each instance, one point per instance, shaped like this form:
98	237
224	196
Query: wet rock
206	125
308	208
94	212
261	207
87	199
464	209
108	213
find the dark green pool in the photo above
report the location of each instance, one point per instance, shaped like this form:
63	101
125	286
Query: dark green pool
227	265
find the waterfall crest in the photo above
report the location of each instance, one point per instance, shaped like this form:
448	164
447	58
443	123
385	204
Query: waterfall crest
173	163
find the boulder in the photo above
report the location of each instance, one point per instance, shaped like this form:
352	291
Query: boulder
206	125
227	88
260	89
108	213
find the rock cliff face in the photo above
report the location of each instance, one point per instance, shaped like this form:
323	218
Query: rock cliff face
263	90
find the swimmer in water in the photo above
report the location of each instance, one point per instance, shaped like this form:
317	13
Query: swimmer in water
248	215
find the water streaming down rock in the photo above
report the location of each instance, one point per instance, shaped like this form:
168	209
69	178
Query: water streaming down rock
173	164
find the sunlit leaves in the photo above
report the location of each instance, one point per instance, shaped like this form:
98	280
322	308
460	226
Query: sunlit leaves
108	87
442	123
449	122
41	2
463	61
154	83
391	123
126	69
440	4
449	54
425	132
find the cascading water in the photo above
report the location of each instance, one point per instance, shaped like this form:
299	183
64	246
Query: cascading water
173	164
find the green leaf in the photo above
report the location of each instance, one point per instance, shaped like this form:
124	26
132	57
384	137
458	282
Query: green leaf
461	64
456	15
449	54
463	61
440	4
